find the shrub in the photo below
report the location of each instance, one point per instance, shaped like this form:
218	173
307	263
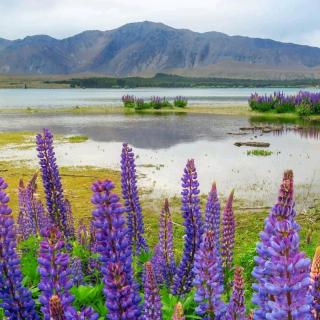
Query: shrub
284	107
304	110
180	102
128	101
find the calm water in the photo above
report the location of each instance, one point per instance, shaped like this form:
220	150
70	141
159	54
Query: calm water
164	143
44	98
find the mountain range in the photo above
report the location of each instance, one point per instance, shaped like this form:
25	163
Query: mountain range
146	48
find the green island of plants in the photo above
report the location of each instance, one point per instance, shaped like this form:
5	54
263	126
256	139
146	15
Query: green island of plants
304	103
157	103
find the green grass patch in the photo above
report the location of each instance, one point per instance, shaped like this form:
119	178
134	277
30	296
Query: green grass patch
77	139
259	153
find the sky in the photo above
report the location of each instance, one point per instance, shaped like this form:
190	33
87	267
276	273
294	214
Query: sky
284	20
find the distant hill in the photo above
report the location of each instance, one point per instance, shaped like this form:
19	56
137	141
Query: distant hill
147	48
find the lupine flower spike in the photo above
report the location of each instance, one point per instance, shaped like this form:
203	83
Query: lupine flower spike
236	308
282	272
212	221
122	297
193	228
152	302
15	299
56	204
228	234
315	278
178	312
163	260
207	280
131	201
54	272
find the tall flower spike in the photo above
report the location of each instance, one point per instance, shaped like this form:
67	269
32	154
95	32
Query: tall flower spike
193	229
212	221
178	312
82	234
15	299
76	271
207	280
166	265
56	308
236	308
54	272
228	234
120	289
315	278
56	204
282	272
131	200
152	302
32	217
70	220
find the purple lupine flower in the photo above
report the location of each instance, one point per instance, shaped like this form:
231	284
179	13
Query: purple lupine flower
82	234
282	272
315	278
236	308
152	302
56	204
120	289
164	256
54	272
183	278
228	234
212	221
58	312
178	313
158	263
15	299
26	225
70	220
207	279
131	201
76	271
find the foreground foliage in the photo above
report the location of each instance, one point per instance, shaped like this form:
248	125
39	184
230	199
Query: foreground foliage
111	272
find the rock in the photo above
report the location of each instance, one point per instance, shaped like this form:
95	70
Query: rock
253	144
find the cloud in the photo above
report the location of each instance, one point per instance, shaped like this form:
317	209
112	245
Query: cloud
285	20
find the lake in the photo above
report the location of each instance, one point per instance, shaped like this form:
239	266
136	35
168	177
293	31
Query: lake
54	98
163	144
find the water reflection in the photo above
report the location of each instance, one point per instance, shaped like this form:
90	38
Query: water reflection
164	143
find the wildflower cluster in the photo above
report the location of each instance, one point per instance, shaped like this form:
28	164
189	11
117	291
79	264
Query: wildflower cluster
91	273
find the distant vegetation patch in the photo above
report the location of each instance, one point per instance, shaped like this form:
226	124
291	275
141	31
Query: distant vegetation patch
304	103
77	139
162	80
259	153
130	101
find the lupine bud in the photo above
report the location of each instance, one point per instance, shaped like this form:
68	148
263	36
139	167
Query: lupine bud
76	271
131	201
228	234
193	229
207	279
163	260
178	312
15	299
315	278
56	308
152	302
70	220
120	289
236	308
56	204
282	272
54	271
82	234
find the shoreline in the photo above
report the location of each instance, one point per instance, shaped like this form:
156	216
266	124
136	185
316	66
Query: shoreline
228	110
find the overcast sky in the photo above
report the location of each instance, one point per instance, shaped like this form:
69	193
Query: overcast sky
285	20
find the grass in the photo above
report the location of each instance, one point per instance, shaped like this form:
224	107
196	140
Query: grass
259	153
77	139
